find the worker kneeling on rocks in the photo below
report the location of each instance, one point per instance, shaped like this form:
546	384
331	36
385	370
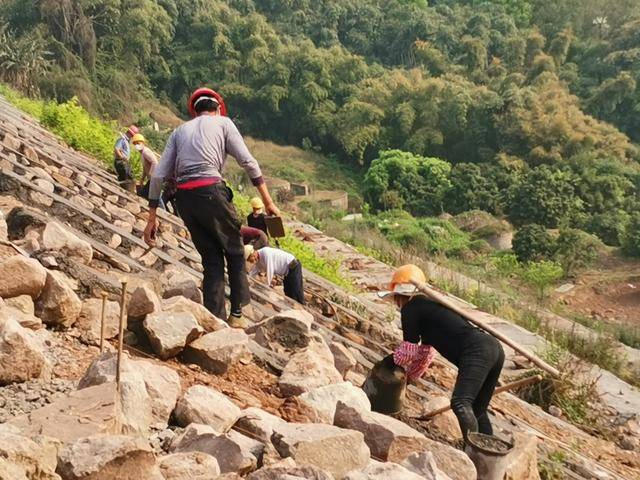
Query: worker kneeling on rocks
274	261
195	156
427	325
254	237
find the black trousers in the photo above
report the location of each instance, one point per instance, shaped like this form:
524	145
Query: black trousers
478	372
211	218
123	169
294	284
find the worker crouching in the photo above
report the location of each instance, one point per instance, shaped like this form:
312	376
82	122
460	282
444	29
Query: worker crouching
428	325
274	261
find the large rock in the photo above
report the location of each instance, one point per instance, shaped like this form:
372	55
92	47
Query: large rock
217	351
169	333
149	391
4	228
189	466
392	440
424	464
233	451
309	369
21	220
21	355
260	424
25	320
206	406
42	198
207	320
80	414
58	305
343	359
106	457
288	331
446	423
56	237
24	303
21	276
120	213
329	448
307	472
90	316
323	400
143	301
383	471
523	459
24	458
178	283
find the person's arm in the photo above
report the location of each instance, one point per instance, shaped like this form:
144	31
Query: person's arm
117	151
237	148
164	170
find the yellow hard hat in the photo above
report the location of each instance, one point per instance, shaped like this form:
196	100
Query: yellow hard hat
402	280
138	138
256	203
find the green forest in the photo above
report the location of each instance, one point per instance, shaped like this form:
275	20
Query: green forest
526	109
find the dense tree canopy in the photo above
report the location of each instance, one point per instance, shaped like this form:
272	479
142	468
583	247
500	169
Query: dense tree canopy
533	105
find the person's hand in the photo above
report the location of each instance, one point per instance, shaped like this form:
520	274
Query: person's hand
150	232
271	209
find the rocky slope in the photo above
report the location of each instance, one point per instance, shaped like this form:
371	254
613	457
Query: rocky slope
197	399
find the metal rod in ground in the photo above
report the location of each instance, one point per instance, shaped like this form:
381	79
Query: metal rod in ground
523	382
123	300
442	300
102	315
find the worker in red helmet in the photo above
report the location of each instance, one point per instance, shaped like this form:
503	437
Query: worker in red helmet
195	156
122	153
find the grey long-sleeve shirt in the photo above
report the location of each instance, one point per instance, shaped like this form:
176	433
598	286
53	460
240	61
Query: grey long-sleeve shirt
198	149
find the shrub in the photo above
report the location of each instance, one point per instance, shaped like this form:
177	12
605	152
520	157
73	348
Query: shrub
532	243
631	240
576	249
609	227
541	275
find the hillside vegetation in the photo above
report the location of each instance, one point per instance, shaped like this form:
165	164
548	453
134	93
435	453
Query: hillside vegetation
525	109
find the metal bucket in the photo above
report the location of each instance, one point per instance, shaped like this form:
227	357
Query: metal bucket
386	386
489	454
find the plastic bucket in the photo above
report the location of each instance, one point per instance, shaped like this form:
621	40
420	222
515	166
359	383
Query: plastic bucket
386	386
489	454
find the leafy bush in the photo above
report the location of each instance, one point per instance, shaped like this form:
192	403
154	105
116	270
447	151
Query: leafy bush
533	242
541	275
398	179
631	241
506	263
609	227
576	249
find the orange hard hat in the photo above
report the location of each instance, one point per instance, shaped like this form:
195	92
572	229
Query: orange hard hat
407	274
206	92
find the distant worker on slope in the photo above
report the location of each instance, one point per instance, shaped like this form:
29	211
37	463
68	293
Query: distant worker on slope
427	325
274	261
122	154
256	218
196	153
149	164
254	237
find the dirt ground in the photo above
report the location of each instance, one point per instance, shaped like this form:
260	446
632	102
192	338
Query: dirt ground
611	293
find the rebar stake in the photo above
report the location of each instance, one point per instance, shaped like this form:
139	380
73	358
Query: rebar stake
123	300
102	320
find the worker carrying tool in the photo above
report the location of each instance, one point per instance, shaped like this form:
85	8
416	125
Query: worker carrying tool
122	154
149	164
274	261
428	325
256	219
254	237
195	156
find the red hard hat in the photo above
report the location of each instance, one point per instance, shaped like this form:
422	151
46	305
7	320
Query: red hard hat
209	93
132	130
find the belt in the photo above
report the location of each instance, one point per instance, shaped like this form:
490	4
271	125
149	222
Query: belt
199	182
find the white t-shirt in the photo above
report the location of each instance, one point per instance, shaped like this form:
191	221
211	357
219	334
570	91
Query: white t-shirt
273	261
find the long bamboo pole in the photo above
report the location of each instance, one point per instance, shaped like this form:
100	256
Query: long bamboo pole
441	299
523	382
102	320
123	300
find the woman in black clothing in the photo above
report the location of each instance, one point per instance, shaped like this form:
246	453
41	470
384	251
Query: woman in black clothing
478	356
